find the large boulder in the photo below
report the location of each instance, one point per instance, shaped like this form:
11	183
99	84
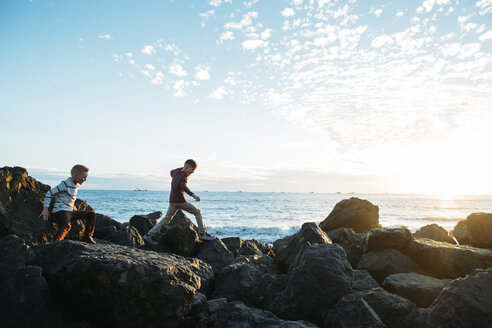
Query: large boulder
105	226
355	213
464	303
381	238
286	252
363	281
443	260
421	290
460	232
126	236
351	311
434	232
480	229
388	261
318	277
249	248
350	241
219	313
119	286
181	236
233	244
143	223
206	274
216	254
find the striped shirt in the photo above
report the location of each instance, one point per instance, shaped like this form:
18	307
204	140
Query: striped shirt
65	195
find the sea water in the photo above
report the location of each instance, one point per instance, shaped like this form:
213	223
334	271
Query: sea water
270	216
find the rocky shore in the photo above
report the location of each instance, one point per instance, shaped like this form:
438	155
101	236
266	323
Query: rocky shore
346	271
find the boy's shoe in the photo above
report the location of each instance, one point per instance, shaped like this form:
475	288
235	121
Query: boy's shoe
148	240
205	236
89	240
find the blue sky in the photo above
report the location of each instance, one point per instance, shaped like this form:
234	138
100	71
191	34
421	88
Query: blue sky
295	95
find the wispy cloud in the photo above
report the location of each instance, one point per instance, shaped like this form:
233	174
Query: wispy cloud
148	50
105	36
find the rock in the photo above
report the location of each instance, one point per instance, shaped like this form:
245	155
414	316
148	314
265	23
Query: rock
363	281
206	274
143	223
460	232
350	241
181	236
434	232
233	244
419	289
126	236
388	261
282	242
464	303
380	238
104	232
249	248
309	233
105	224
118	286
480	229
391	309
352	311
246	280
216	254
263	247
355	213
318	277
443	260
82	205
219	313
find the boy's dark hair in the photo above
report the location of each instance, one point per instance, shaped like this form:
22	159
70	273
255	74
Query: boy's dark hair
191	163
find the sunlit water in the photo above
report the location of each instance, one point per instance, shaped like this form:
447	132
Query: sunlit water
269	216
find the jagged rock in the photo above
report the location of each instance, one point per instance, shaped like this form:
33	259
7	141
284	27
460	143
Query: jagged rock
380	238
421	290
355	213
249	248
118	286
206	274
219	313
391	309
216	254
318	277
460	232
104	225
443	260
126	236
263	247
388	261
181	236
350	241
309	233
143	223
104	232
434	232
480	229
363	281
351	311
464	303
246	280
233	244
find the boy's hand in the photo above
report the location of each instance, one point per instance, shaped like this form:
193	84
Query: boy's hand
45	214
196	198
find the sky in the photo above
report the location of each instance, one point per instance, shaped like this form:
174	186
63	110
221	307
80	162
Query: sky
295	96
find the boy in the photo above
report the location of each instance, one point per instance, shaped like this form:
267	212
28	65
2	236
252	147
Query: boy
64	210
177	202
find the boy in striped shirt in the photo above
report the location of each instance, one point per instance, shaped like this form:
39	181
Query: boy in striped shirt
64	209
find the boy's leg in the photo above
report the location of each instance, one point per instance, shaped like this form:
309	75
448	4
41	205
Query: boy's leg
171	211
189	207
62	218
90	216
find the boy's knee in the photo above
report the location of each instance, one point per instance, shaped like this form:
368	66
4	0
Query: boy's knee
66	226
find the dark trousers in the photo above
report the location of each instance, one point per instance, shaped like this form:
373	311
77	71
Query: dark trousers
63	218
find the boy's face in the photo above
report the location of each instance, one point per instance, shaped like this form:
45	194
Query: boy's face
80	177
188	169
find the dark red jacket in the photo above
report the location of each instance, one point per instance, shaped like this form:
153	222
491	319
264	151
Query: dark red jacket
178	186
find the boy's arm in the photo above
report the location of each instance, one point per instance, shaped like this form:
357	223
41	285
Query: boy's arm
62	186
187	190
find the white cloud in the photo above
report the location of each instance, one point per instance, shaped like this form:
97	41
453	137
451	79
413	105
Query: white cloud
146	73
207	14
427	5
105	36
485	6
202	73
158	79
486	36
227	35
177	69
179	88
288	12
150	67
400	14
460	50
377	12
381	40
252	44
297	2
246	21
218	93
266	34
148	50
172	47
129	54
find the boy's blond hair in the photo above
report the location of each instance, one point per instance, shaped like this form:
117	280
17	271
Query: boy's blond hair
79	168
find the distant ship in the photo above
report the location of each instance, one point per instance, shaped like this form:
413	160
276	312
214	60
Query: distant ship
140	189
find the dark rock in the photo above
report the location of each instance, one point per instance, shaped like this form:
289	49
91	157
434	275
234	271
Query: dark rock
206	274
318	277
355	213
388	261
181	236
246	280
350	241
219	313
216	254
143	223
391	309
263	247
309	233
480	229
118	286
443	260
126	236
249	248
233	244
419	289
434	232
82	205
460	232
380	238
464	303
351	311
282	242
104	232
363	281
104	224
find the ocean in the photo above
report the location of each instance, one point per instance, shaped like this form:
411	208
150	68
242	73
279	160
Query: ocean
270	216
